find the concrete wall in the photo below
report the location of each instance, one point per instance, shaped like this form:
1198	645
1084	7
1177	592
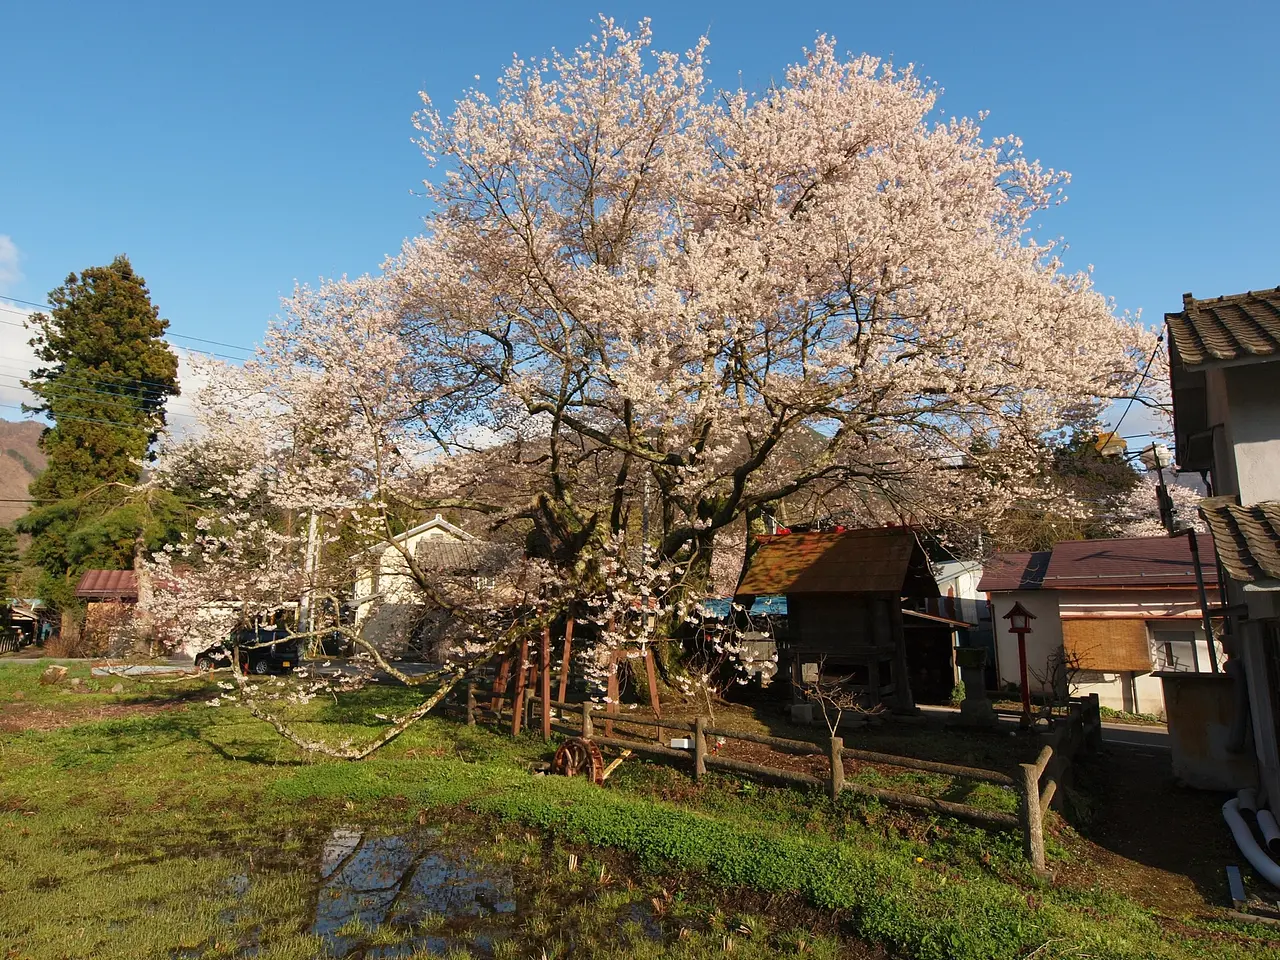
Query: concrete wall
1045	636
1200	708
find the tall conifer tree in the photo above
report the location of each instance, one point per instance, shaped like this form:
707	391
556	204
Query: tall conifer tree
106	376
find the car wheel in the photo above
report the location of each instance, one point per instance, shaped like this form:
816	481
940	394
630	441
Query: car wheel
204	664
261	667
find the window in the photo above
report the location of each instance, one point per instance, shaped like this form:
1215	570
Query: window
1172	650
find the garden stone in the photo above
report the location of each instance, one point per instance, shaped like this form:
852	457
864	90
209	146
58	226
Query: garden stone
118	688
53	675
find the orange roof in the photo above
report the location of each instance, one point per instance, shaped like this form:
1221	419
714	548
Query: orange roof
886	560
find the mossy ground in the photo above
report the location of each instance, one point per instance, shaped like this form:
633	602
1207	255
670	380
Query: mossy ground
119	838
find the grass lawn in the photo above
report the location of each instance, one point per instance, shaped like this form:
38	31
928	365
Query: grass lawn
147	824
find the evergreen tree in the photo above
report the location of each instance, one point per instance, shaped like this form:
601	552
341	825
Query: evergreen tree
106	377
10	564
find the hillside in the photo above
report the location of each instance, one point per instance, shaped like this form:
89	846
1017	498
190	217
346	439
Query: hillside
21	459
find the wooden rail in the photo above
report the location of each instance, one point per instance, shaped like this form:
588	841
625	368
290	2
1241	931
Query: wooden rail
1081	728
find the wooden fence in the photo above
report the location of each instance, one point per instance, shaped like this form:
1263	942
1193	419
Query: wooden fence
1037	784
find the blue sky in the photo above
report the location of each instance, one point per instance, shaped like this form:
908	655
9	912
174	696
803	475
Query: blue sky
232	149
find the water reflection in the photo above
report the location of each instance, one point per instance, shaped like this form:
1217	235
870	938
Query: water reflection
405	882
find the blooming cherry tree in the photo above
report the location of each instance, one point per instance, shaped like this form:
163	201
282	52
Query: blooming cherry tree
642	314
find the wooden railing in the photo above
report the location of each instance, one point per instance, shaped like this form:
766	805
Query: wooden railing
1036	784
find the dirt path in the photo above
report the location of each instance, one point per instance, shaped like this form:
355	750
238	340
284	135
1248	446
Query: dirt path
1162	844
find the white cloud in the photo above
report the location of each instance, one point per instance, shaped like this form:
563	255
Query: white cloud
18	359
10	274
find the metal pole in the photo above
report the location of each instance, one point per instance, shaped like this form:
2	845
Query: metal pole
1204	606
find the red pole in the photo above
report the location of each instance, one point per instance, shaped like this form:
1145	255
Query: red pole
1022	670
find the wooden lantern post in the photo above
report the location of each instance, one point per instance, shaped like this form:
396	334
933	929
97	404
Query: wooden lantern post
1020	618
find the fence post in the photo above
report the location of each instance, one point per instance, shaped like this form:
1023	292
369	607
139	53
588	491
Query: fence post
471	704
1094	714
837	766
587	732
699	748
1029	815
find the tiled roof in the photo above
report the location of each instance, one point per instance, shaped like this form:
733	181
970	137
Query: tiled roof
107	585
1248	538
1242	326
461	557
882	560
1014	571
1158	562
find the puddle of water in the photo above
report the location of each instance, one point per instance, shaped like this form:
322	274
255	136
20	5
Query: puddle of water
401	881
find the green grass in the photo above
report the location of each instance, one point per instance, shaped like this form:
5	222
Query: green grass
119	839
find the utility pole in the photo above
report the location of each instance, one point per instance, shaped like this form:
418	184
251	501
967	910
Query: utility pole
1156	457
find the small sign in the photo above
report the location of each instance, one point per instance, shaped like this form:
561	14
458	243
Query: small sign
809	672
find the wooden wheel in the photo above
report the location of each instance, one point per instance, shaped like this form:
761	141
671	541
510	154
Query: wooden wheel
579	756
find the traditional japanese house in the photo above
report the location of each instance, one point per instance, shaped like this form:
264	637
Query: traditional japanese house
845	593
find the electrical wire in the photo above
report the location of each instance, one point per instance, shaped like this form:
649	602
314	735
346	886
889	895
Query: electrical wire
87	394
169	333
1141	380
206	353
108	423
20	365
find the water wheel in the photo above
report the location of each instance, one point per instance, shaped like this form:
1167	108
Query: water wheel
579	756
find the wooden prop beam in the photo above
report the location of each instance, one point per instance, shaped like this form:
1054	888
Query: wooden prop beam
565	660
544	669
650	668
500	683
522	676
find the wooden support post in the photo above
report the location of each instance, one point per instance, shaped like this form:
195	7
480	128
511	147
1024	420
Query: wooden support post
651	670
837	767
544	690
471	704
699	748
587	731
611	692
500	684
565	660
522	676
1029	816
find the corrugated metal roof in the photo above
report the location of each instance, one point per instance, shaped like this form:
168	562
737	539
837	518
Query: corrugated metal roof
1247	538
107	585
1158	562
1243	326
1014	571
885	560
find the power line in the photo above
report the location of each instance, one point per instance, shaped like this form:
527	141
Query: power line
181	336
164	387
1141	381
84	394
108	423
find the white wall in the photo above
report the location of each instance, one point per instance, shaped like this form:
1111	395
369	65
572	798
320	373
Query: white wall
1255	431
1044	639
1130	692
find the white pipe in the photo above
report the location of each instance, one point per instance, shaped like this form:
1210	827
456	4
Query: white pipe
1248	798
1270	831
1244	840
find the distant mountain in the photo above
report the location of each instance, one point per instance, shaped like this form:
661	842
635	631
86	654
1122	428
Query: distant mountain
21	460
